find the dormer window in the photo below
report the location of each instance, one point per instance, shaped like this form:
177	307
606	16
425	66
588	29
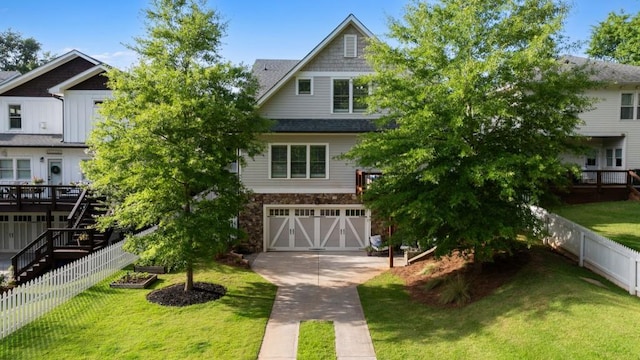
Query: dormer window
350	46
15	117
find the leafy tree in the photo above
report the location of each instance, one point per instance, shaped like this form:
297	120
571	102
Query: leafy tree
477	110
617	38
176	121
19	54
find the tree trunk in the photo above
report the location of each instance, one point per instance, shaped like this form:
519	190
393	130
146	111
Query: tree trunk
188	285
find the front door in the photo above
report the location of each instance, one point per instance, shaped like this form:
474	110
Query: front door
55	172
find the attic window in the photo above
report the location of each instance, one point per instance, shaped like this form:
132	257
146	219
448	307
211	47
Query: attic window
350	46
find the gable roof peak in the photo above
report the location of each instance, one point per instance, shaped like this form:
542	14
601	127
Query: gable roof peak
275	86
54	63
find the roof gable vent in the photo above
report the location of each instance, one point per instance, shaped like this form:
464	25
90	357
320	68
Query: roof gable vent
350	46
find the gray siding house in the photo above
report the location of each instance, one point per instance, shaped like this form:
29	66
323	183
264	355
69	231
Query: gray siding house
304	196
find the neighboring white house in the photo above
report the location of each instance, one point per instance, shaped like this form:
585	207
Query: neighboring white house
45	117
613	126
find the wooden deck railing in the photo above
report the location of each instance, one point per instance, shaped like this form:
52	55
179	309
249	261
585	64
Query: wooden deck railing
599	178
20	196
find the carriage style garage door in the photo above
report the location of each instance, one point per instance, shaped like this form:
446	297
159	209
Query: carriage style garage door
312	227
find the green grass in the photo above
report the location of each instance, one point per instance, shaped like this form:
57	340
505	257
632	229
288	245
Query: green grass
317	340
546	312
618	220
106	323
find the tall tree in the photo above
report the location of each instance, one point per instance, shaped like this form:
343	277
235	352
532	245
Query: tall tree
19	54
175	123
617	38
477	110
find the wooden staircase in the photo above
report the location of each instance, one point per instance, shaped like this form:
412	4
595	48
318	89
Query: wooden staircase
59	246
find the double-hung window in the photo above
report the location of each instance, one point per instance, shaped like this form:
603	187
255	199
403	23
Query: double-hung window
349	96
15	116
614	157
630	106
15	169
298	161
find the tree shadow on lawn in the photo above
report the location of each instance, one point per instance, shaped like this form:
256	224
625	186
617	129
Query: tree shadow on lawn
546	289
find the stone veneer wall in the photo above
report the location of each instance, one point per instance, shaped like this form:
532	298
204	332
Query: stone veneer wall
250	220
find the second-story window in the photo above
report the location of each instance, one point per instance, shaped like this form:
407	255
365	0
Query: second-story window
629	106
349	96
304	87
298	161
15	116
15	169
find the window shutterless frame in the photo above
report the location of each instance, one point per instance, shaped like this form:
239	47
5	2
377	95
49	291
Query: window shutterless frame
298	161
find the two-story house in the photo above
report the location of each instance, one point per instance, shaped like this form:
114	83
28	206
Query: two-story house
45	116
304	195
613	125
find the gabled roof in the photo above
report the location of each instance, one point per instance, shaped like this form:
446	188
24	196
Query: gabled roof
85	75
269	72
8	75
608	72
8	85
268	92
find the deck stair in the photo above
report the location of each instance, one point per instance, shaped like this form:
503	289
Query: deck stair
58	246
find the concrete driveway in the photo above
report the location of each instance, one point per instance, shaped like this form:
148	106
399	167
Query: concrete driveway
318	286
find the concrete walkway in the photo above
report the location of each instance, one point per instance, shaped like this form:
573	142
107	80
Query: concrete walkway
317	286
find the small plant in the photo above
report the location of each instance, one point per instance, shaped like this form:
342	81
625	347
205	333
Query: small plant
37	180
428	269
432	283
455	290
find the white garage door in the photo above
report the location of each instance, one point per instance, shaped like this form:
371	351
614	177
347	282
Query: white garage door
18	230
329	227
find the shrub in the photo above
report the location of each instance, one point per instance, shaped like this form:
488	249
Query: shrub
455	290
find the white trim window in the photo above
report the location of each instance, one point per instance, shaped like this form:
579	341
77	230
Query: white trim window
304	86
298	161
350	46
614	157
349	95
15	117
629	106
15	169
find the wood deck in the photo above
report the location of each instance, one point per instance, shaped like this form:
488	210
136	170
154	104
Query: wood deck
38	198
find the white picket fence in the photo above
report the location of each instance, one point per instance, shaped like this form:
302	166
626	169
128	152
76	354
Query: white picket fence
29	301
617	263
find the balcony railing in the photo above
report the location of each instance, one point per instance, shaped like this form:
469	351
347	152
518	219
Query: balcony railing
19	196
599	178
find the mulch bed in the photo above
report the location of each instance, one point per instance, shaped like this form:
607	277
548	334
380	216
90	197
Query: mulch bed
483	283
176	296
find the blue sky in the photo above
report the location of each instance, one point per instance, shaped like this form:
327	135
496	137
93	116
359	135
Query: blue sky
276	29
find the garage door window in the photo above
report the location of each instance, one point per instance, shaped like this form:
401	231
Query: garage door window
298	161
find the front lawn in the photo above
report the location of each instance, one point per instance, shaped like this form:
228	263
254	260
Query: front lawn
617	220
106	323
547	312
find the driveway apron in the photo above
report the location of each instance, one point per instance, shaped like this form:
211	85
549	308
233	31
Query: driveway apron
317	286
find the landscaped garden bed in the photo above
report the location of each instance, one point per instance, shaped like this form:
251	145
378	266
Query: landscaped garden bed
135	280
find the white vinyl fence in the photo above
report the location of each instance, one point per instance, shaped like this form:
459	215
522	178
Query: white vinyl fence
617	263
27	302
